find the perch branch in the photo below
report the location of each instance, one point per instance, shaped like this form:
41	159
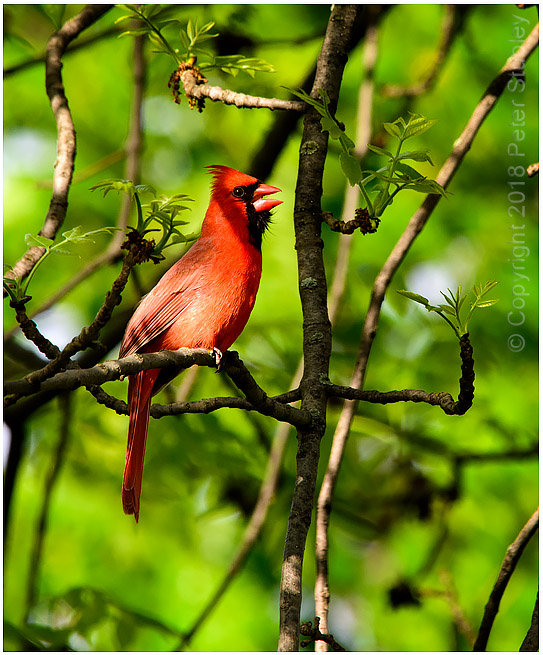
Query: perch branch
66	147
113	370
509	563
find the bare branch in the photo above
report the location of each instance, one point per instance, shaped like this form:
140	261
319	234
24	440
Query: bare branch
315	635
66	148
509	563
195	89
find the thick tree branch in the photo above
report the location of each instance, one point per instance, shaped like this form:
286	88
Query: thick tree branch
316	324
509	563
351	200
64	165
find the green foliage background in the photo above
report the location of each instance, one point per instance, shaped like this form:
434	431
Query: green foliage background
107	584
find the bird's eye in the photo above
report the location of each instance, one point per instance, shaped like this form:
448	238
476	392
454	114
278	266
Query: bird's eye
238	192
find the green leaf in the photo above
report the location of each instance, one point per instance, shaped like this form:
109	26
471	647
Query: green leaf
418	127
416	155
414	296
393	129
427	186
37	240
487	303
379	151
351	168
411	173
330	125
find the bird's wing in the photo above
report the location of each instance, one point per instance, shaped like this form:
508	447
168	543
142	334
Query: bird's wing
160	308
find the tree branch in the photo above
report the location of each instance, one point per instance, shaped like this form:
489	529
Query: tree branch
66	147
509	563
316	325
352	195
113	370
194	89
439	398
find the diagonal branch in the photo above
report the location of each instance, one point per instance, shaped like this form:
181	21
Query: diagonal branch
513	66
507	568
64	165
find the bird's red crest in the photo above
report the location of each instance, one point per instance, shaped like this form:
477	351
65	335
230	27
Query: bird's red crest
225	178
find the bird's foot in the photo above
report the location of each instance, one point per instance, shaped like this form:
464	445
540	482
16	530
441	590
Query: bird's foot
218	357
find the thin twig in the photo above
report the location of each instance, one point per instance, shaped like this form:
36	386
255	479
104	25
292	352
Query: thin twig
64	165
509	563
41	529
461	146
438	398
307	629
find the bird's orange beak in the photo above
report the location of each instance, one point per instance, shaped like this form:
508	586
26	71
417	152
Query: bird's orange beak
265	204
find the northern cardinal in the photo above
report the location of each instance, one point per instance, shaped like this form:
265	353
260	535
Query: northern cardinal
203	301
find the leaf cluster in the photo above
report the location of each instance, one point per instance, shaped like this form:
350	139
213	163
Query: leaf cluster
156	18
450	311
16	288
163	210
395	174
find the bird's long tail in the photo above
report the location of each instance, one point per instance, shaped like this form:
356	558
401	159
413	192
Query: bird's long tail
140	387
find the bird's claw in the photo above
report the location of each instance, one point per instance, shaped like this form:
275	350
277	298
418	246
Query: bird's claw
218	357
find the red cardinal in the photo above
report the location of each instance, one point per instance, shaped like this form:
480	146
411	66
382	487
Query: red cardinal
203	301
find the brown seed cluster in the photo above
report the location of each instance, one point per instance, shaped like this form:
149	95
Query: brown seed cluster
175	83
367	225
